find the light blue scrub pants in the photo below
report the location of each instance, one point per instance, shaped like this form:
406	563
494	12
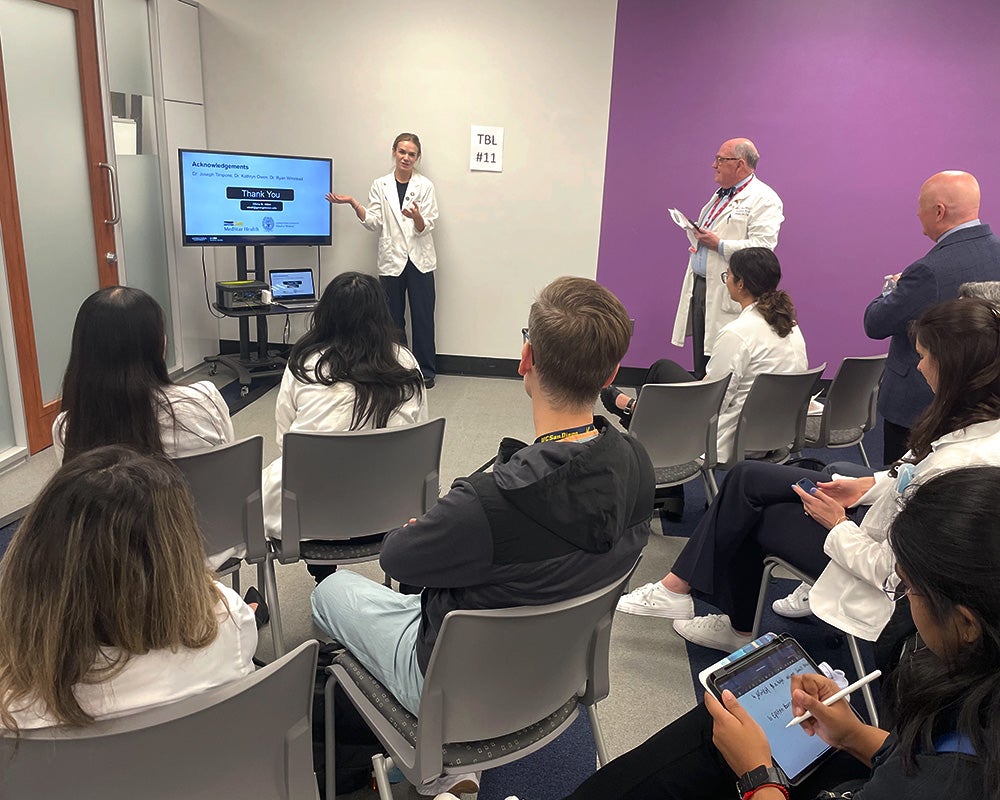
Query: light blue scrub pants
379	627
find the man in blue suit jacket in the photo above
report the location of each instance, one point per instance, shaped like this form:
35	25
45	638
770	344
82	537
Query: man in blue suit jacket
964	250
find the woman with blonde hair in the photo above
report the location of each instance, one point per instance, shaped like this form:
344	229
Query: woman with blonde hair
108	607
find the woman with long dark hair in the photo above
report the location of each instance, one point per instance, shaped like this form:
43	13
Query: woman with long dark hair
765	337
108	606
760	512
347	373
944	695
116	389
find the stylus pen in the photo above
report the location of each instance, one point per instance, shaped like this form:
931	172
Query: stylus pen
839	696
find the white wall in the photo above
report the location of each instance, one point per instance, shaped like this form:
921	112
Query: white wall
341	79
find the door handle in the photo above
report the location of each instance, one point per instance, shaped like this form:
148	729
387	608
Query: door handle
116	206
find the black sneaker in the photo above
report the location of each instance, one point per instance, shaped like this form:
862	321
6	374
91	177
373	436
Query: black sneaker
428	383
609	394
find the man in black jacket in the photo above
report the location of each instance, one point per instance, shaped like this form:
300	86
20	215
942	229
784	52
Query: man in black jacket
554	520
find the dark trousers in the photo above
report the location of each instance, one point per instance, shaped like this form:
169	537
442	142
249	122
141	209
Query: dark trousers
756	514
680	763
667	371
894	441
419	286
697	317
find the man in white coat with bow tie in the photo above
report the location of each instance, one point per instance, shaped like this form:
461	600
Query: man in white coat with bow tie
744	212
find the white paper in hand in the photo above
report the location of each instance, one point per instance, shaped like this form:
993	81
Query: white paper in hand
685	224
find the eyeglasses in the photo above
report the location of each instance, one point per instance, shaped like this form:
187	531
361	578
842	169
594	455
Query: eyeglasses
895	591
527	340
724	275
719	159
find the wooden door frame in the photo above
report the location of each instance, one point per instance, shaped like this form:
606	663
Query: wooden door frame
39	426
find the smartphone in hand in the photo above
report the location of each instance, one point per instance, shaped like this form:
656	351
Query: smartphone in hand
806	485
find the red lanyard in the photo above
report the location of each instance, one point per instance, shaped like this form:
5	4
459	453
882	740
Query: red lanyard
713	215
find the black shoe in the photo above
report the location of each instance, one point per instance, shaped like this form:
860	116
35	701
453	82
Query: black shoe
428	383
261	614
609	394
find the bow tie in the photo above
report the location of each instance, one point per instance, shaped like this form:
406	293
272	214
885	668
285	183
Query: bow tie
730	192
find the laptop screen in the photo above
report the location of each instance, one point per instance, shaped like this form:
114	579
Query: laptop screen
291	284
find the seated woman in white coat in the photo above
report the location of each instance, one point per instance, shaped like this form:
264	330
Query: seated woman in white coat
759	510
347	373
116	389
765	337
108	607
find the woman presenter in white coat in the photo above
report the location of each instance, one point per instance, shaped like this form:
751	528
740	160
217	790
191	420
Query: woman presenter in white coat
402	208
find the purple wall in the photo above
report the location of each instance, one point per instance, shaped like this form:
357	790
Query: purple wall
852	104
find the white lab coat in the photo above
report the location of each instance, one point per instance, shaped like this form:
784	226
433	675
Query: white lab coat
849	593
745	348
321	408
751	219
398	237
161	677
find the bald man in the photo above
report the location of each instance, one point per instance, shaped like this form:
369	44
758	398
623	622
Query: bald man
744	212
964	250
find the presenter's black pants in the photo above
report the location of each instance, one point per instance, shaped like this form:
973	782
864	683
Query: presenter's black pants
679	762
755	515
419	286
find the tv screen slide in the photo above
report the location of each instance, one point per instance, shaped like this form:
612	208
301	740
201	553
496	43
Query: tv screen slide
250	199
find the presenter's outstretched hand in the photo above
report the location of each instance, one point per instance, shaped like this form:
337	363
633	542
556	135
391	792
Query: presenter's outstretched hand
340	198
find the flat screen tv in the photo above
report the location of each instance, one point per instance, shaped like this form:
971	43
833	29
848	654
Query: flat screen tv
251	199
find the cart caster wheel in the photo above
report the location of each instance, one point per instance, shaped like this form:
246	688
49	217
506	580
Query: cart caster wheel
244	391
212	370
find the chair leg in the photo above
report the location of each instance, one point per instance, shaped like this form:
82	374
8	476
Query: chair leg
266	578
595	725
864	455
866	690
381	769
710	485
762	597
330	738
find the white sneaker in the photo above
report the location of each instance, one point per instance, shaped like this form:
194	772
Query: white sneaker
655	600
794	606
712	631
466	783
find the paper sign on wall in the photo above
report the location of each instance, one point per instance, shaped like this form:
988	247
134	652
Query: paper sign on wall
486	153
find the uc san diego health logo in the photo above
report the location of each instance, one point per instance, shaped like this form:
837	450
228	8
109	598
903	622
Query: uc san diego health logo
267	223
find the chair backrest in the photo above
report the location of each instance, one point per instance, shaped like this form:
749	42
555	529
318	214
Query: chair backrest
774	414
849	399
678	422
358	483
225	483
250	738
496	671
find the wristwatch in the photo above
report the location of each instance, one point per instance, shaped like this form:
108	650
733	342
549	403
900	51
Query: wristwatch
760	776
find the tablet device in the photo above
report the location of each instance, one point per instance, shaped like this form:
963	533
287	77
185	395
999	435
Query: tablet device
761	679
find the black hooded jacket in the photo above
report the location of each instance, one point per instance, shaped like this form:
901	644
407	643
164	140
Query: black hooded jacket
551	522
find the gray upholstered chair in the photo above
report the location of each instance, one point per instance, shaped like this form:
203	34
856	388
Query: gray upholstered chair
501	684
770	563
772	423
226	484
678	424
250	738
339	487
849	406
